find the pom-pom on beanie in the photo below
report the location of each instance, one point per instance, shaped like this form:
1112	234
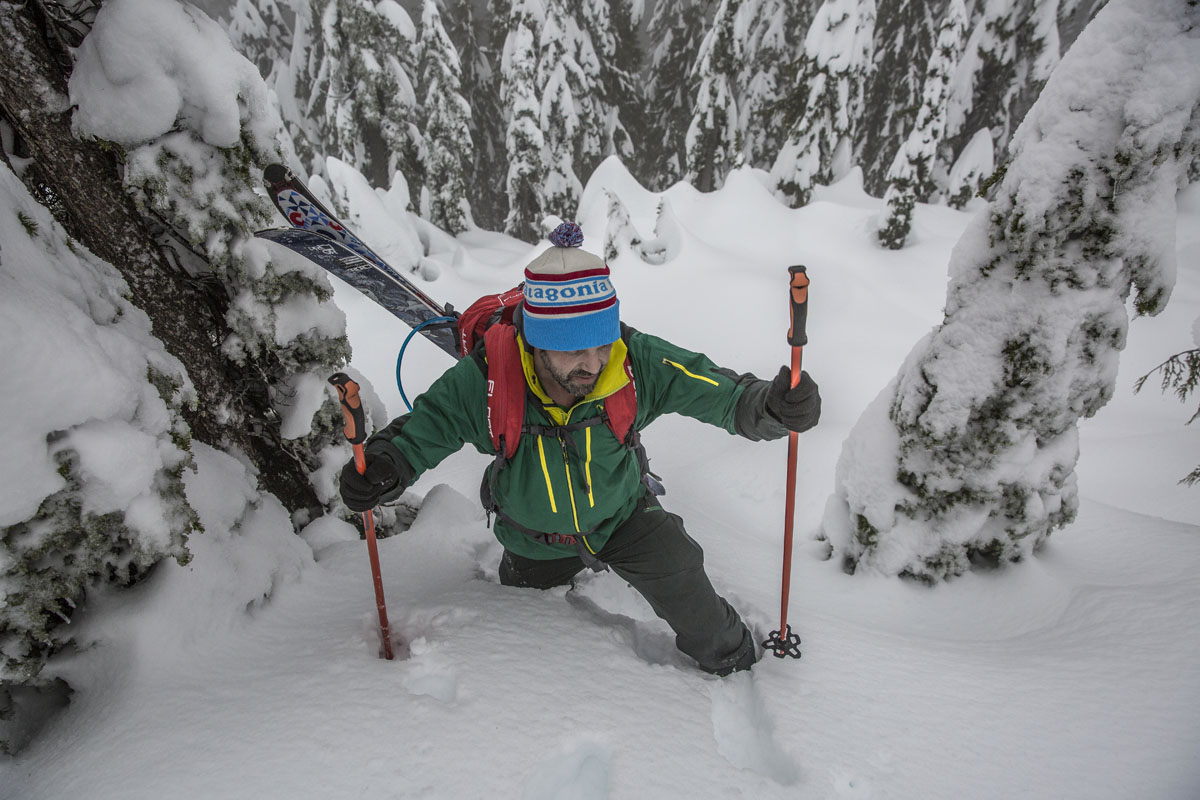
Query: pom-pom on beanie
570	302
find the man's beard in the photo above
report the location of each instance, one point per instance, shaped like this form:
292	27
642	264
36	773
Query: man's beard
571	382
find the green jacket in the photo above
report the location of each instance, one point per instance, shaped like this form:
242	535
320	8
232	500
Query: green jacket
586	491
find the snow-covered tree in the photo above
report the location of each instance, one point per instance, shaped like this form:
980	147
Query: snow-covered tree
969	455
713	144
260	31
819	145
216	342
675	31
358	87
1012	47
524	141
101	496
479	60
904	43
771	47
446	126
911	176
972	169
622	90
565	134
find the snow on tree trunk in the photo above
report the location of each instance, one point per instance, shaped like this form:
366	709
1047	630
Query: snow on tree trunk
910	177
524	140
969	455
91	488
713	143
446	130
838	55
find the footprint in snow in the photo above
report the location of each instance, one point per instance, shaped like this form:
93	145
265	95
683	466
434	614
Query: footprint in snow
646	635
579	774
430	678
744	732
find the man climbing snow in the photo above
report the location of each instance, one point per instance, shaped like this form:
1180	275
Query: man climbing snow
575	489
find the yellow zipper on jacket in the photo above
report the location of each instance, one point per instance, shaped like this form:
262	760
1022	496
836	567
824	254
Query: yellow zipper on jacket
685	371
546	474
570	487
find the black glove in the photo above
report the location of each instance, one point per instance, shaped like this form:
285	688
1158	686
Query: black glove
799	408
362	492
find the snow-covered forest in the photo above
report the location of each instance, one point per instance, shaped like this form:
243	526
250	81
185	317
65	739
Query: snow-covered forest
995	202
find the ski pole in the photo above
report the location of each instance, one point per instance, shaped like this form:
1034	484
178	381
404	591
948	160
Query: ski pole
356	434
783	642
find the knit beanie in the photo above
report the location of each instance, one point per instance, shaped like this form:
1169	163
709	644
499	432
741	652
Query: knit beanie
570	302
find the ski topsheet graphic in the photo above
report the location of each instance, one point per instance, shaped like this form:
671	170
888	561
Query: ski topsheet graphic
319	236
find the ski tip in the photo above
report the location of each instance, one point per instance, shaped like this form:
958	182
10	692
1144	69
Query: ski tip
275	174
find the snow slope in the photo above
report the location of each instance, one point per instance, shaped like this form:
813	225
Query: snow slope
252	672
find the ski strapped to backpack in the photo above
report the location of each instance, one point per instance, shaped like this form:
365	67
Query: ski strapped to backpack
491	319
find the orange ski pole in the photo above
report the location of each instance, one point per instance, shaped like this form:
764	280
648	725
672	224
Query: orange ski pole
356	434
783	642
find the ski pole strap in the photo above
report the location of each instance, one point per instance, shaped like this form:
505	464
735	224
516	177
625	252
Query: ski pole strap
797	335
352	410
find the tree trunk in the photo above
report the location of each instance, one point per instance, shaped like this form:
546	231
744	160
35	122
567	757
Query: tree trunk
81	183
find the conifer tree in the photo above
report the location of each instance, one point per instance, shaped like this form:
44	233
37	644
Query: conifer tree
260	32
201	343
480	62
968	457
771	49
524	141
558	75
622	88
446	130
358	87
676	31
1011	50
592	137
610	56
819	145
911	176
713	143
904	43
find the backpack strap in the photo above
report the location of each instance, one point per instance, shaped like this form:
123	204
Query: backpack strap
620	408
506	389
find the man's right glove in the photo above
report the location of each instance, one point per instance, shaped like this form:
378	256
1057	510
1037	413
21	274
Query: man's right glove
362	492
797	408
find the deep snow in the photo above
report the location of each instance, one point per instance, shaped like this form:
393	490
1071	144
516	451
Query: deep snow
253	671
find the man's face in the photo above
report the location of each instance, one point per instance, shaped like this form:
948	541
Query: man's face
575	371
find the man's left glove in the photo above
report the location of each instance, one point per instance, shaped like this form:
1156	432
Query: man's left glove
797	408
362	492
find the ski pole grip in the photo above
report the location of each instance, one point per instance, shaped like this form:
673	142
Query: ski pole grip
352	410
797	336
